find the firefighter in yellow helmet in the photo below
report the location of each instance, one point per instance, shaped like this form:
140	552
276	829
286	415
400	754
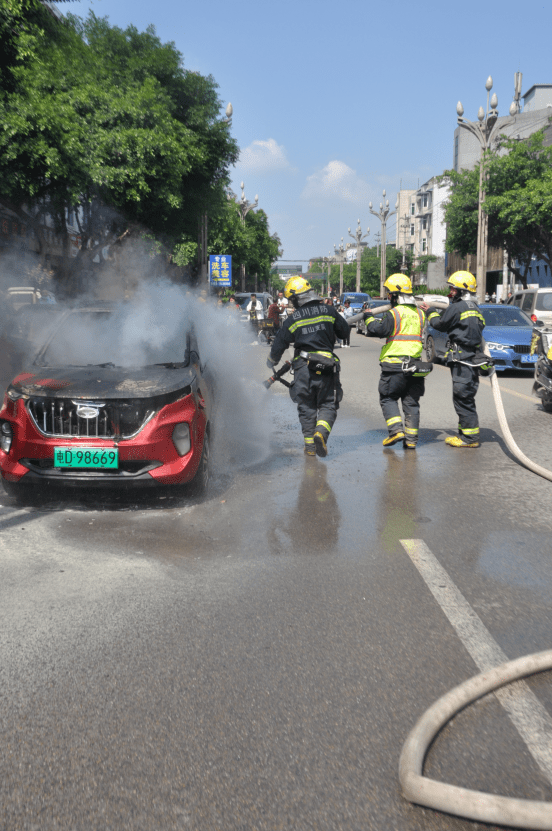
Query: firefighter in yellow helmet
312	328
402	372
464	324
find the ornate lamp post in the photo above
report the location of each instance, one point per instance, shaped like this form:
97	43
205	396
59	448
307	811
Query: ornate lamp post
383	214
358	237
485	131
243	209
328	261
340	258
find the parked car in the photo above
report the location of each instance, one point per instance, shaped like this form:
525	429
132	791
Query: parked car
507	333
83	413
537	303
356	300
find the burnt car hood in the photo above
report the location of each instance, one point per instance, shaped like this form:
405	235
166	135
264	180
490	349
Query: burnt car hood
95	382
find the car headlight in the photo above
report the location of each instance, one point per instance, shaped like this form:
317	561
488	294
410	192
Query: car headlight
6	436
499	347
181	438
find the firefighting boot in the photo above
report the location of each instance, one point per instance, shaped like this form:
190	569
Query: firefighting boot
310	449
393	439
411	438
320	445
456	441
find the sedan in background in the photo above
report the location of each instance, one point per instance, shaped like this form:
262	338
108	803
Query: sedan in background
507	333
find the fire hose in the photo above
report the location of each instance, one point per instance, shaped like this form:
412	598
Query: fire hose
474	805
462	802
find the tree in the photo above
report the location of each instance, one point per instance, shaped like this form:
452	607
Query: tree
249	243
99	116
518	203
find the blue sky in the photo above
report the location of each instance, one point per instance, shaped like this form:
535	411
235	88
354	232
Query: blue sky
335	101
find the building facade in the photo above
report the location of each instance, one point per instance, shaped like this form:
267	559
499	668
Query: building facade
421	229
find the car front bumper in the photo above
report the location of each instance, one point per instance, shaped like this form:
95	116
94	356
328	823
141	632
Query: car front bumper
148	458
512	360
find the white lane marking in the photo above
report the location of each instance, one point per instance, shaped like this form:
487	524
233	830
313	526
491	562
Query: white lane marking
531	719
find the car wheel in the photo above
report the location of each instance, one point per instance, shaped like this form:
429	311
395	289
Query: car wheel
430	349
200	482
547	405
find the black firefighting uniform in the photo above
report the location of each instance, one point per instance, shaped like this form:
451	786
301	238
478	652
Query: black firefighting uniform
464	324
395	384
312	328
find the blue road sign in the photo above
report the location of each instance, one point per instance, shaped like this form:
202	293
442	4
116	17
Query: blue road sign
220	269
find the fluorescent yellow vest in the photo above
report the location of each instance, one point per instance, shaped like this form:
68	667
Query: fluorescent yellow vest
406	339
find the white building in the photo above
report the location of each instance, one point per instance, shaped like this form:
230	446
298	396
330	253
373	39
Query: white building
420	226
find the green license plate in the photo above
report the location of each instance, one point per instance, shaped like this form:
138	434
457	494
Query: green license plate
96	457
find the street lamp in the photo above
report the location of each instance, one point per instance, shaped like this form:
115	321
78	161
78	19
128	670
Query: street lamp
358	237
243	209
340	258
384	213
328	261
485	130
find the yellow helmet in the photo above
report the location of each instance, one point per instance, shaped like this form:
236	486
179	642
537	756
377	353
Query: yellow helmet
463	280
296	285
398	282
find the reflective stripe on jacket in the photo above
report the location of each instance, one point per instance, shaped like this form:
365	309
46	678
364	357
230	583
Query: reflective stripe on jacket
406	337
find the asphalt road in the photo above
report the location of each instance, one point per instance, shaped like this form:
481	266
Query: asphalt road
256	659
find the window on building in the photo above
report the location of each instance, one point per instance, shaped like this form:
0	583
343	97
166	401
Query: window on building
411	229
424	244
412	209
424	200
424	223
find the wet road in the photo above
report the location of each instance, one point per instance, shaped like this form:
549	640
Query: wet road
255	660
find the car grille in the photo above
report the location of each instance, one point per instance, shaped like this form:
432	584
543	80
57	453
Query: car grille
522	348
64	417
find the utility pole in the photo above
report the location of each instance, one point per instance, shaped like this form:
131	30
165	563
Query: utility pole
378	238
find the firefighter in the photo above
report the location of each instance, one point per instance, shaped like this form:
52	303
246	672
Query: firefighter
464	324
316	389
401	379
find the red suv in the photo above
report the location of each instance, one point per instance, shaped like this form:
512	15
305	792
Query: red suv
74	418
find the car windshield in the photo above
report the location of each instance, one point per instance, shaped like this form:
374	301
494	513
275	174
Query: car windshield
544	301
245	301
93	338
506	316
356	298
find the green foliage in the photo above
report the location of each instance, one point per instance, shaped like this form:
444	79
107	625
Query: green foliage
518	201
93	112
249	243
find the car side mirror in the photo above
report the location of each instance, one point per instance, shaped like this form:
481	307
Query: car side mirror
539	323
